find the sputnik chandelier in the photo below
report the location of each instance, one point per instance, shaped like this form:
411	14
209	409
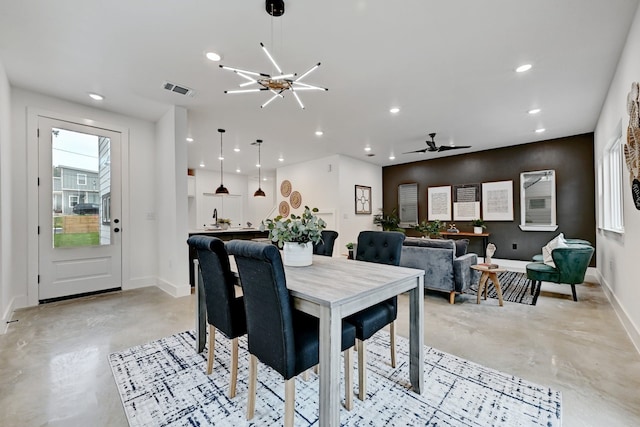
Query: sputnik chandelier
276	84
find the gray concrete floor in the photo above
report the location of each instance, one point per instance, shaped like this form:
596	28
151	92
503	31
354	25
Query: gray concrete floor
54	369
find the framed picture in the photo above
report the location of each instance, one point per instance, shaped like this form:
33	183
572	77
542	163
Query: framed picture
363	199
497	201
466	202
439	203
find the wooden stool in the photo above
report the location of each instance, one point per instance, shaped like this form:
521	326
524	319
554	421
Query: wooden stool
489	273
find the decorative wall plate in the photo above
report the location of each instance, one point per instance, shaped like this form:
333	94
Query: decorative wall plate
283	209
285	188
295	199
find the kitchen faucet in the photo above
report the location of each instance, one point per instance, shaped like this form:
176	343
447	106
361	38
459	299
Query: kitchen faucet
215	216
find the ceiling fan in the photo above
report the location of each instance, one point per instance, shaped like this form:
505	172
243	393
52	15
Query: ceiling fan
431	146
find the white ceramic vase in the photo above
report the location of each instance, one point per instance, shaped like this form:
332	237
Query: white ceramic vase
297	254
477	230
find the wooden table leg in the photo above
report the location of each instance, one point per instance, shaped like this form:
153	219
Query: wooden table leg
496	283
481	285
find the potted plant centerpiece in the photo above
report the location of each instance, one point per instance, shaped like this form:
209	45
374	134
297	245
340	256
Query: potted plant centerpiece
350	248
224	223
429	229
478	225
296	235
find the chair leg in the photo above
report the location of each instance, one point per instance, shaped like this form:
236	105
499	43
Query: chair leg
212	342
573	291
348	378
289	401
392	344
452	297
362	369
234	368
253	376
305	375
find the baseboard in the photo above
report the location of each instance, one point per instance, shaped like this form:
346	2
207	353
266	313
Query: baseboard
139	282
16	302
174	290
632	330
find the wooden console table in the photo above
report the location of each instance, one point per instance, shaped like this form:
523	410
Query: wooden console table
485	238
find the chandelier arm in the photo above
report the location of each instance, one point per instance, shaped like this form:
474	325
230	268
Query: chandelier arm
246	90
270	99
278	93
309	71
273	61
239	70
246	76
298	98
305	86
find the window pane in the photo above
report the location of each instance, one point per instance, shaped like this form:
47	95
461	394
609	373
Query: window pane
79	176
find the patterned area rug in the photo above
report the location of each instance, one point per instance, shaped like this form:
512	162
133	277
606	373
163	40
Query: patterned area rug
515	288
163	383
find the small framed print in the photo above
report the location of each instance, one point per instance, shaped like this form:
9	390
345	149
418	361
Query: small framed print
363	199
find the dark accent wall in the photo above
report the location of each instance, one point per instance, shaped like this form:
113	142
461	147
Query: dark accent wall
572	159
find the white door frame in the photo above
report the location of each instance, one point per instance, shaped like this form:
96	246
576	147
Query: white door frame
32	194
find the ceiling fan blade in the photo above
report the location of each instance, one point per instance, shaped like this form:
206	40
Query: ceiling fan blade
448	147
424	150
432	146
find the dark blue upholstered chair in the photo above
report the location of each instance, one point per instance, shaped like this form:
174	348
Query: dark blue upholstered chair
283	338
325	247
225	311
570	268
383	247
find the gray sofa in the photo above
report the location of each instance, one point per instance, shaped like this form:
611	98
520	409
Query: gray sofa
444	271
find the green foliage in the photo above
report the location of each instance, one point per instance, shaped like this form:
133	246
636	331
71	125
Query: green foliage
76	239
389	222
478	223
431	229
349	245
301	229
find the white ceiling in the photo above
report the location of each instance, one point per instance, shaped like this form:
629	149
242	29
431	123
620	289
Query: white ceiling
448	65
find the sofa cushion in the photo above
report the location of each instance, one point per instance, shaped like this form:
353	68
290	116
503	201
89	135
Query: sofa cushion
461	247
556	242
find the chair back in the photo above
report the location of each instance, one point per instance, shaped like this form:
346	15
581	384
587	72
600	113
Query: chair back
382	247
325	247
224	310
572	262
267	304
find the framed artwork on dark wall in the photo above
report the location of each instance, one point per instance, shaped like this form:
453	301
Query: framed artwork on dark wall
363	199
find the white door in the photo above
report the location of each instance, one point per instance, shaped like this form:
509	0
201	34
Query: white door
78	209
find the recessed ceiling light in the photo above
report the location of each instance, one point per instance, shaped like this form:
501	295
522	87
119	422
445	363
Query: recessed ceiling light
392	157
281	159
237	150
523	68
189	139
367	148
540	130
394	110
237	170
221	158
319	133
264	179
96	96
534	111
212	56
201	164
257	165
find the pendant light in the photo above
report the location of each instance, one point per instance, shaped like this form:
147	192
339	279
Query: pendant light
222	190
259	192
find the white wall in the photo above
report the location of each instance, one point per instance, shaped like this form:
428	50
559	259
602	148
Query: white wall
171	177
617	255
8	290
139	229
329	185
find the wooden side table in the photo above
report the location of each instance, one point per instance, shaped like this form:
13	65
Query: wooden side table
489	273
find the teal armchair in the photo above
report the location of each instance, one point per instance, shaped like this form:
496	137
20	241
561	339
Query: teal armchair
571	266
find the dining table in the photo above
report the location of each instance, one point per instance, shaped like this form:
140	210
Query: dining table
332	288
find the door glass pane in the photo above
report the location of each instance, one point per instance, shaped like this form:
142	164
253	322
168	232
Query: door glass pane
81	183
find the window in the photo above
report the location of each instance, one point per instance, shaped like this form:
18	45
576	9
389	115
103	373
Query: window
82	179
73	200
612	218
408	202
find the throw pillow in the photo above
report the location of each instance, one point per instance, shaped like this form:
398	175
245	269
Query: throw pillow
461	247
557	242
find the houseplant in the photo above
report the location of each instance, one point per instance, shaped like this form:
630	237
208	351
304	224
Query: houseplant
390	222
478	225
429	229
296	235
350	247
224	223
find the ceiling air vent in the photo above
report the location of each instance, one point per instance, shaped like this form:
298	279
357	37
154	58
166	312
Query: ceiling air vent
182	90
